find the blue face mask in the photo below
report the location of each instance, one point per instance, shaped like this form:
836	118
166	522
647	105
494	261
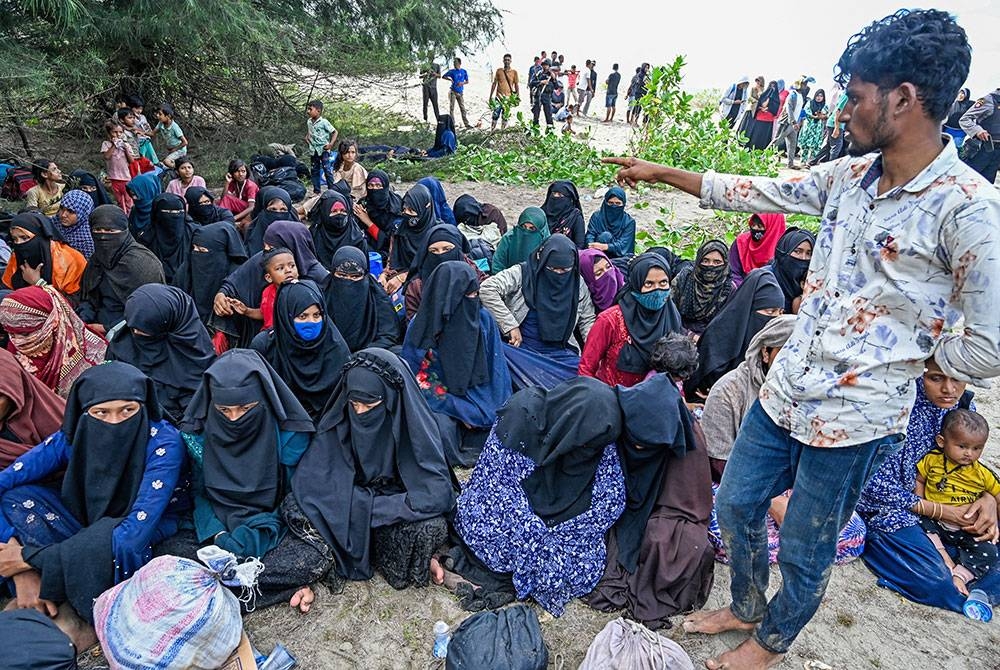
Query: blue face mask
654	299
308	330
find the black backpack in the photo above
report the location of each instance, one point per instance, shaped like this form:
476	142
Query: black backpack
510	639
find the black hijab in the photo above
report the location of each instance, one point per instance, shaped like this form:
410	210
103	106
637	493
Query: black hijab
564	431
817	107
172	230
332	230
204	271
425	262
294	236
554	296
241	461
565	214
387	461
700	292
657	426
449	324
789	271
91	489
100	194
361	310
118	259
384	206
724	343
261	219
407	241
37	250
205	214
445	123
468	212
176	348
311	368
645	326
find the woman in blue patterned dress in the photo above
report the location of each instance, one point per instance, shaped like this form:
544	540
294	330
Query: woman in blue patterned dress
546	489
898	551
70	543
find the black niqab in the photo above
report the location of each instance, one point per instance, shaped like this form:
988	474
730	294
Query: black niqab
468	211
208	213
261	218
204	271
384	206
724	343
657	426
176	348
565	214
407	241
99	195
118	260
425	261
362	473
554	296
645	326
36	251
361	309
332	230
788	270
172	230
564	431
311	368
241	461
449	324
91	489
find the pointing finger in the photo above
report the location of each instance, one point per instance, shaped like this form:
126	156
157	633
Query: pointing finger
618	160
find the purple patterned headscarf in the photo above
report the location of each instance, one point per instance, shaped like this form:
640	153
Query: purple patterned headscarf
604	289
77	236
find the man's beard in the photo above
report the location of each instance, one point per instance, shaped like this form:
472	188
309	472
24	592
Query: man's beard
880	135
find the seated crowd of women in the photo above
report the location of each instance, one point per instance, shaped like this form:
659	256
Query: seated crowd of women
265	391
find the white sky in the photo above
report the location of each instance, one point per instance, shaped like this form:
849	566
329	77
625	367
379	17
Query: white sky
720	39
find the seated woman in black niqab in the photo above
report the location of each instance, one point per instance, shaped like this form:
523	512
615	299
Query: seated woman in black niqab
272	204
724	343
167	341
791	263
565	215
245	433
69	543
202	207
118	266
169	236
374	486
304	347
418	217
358	305
334	225
381	212
442	243
216	251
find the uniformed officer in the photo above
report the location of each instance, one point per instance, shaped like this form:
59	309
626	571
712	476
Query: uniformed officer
982	122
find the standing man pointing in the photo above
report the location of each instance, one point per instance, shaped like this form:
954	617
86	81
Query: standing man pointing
908	247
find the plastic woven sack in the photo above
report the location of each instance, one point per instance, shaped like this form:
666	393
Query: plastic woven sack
628	645
173	613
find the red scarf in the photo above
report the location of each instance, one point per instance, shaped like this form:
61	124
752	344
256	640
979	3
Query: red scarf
755	255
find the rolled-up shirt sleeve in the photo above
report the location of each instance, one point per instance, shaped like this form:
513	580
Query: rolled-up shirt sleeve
972	243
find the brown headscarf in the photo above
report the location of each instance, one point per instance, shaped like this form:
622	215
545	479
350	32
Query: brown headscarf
35	412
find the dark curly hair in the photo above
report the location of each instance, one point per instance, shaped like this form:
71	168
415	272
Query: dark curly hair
675	354
969	421
926	48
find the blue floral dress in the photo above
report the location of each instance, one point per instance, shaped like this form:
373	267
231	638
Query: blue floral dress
552	565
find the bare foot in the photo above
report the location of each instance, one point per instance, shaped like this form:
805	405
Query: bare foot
79	632
302	599
747	656
778	508
711	622
437	572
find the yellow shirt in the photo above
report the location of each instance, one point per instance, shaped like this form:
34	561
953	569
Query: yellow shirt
37	198
951	485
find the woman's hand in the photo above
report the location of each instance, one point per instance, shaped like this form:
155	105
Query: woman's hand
362	214
981	519
29	274
221	305
238	306
11	562
600	246
29	594
515	337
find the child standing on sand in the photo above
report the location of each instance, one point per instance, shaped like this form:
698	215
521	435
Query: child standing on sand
951	474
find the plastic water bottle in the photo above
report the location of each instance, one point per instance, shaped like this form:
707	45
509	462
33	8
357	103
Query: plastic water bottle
441	637
977	606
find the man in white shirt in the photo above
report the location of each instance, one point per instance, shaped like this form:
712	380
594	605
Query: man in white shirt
904	269
583	92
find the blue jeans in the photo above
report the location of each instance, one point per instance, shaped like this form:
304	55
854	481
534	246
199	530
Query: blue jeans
321	164
766	461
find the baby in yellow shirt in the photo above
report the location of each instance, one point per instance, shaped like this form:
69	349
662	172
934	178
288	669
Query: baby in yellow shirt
951	474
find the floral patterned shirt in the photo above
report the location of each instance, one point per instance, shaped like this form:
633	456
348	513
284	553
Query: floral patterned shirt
891	279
